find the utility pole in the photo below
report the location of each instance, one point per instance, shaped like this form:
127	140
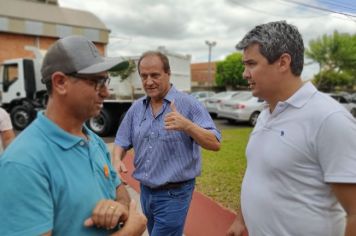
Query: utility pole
210	45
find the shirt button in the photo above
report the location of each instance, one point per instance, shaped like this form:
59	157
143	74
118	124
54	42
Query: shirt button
150	147
81	143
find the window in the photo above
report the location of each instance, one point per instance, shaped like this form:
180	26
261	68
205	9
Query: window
10	75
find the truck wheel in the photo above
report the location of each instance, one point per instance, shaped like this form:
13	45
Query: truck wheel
21	117
101	124
253	118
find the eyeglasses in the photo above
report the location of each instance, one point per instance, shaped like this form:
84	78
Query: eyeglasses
98	81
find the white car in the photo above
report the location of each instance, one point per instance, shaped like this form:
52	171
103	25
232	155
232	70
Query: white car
214	102
242	107
202	95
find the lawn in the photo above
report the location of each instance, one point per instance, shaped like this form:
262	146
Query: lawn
222	171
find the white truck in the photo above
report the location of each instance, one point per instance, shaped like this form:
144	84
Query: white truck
22	93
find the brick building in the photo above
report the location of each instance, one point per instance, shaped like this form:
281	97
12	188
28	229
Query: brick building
200	74
41	22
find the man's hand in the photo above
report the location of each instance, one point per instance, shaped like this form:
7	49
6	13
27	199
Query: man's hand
175	121
120	167
135	224
237	228
107	214
204	137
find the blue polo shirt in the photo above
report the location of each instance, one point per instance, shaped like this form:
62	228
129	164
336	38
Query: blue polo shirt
52	180
162	155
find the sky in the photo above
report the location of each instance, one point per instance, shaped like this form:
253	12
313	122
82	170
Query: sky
184	26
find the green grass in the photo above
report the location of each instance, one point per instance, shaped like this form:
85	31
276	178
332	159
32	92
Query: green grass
222	171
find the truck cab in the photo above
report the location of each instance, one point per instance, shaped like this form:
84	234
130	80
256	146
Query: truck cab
21	91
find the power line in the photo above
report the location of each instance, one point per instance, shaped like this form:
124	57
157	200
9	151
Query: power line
319	8
350	17
348	7
268	13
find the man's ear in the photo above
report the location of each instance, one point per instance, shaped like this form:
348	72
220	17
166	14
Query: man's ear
59	82
285	62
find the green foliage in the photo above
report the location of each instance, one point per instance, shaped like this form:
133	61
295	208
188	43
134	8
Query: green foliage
222	171
126	72
229	71
336	56
329	81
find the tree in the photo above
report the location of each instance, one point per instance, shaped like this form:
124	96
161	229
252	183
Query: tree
124	73
229	71
336	56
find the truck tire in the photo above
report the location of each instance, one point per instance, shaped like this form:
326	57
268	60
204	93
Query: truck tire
101	124
21	117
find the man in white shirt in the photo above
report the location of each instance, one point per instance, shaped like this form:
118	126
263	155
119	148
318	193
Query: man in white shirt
301	156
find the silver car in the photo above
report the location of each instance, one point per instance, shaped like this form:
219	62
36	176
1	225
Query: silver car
242	107
214	102
202	95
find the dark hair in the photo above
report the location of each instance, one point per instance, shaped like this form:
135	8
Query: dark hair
48	84
274	39
162	57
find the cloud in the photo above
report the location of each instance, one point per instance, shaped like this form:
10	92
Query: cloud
183	26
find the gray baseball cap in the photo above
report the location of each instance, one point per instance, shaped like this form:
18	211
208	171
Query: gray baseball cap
77	54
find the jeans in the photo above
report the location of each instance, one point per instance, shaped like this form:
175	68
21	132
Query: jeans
166	210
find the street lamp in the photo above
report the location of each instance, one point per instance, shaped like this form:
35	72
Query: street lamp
210	45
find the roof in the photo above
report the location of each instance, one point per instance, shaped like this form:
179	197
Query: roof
48	14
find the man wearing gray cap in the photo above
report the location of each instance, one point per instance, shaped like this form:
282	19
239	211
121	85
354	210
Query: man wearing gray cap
57	178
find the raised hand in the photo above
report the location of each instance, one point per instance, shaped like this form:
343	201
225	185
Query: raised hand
176	121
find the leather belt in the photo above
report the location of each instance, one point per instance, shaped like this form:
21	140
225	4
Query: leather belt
170	185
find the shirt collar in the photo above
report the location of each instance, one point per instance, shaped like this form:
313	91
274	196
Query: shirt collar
170	96
302	95
57	134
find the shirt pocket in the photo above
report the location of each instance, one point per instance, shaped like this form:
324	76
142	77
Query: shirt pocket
170	143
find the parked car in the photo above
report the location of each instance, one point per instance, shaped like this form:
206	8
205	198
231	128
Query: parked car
353	97
214	102
202	95
346	102
242	107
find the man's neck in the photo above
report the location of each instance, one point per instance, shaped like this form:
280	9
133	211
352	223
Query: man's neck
64	119
285	91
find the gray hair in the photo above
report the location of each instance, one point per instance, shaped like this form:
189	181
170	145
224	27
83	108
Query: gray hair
161	56
274	39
